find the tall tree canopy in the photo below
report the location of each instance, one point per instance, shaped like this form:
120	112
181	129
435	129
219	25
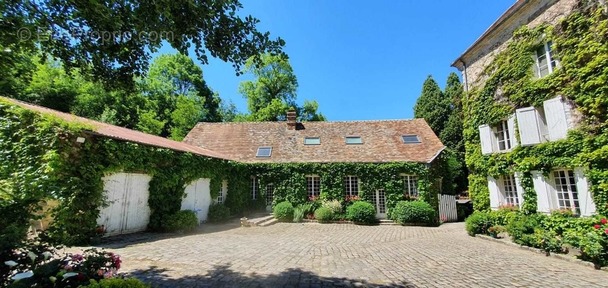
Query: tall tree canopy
113	39
274	91
178	97
443	111
433	106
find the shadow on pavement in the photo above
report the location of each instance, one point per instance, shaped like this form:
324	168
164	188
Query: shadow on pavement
223	276
122	241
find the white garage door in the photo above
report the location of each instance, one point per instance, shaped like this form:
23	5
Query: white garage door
128	212
198	198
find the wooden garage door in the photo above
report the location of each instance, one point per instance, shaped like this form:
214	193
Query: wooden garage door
128	210
198	198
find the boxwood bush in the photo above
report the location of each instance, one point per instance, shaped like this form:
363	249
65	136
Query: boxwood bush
218	213
117	283
414	212
478	223
184	220
361	212
283	211
324	215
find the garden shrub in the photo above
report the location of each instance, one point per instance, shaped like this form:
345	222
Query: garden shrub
361	212
37	264
283	211
478	223
324	215
415	212
334	205
184	220
117	283
298	214
522	229
503	215
218	213
591	237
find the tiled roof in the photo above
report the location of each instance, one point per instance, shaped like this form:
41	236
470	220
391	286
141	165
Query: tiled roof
121	133
382	141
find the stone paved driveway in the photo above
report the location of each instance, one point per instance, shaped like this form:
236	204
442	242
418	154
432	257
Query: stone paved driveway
330	255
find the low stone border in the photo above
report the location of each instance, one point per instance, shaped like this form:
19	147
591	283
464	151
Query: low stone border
554	255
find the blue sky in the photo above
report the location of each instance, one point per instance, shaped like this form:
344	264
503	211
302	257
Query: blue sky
363	60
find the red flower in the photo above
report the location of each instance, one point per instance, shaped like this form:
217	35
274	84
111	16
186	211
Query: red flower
604	221
596	226
606	231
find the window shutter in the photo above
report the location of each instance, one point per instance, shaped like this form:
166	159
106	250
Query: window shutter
519	188
542	193
494	193
557	123
585	200
511	127
527	123
485	136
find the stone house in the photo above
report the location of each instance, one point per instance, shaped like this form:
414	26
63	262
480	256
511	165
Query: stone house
515	144
309	148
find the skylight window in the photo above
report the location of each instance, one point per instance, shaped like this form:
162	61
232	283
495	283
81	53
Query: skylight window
354	140
264	152
312	141
410	139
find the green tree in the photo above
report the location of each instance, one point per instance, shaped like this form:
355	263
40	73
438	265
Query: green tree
113	39
274	91
178	96
443	112
433	106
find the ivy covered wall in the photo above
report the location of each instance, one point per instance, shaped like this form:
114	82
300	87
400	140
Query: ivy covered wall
580	43
42	160
289	180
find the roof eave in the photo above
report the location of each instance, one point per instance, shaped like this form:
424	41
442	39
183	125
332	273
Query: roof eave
436	155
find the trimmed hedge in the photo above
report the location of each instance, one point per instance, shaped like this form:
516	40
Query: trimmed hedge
414	212
218	213
184	220
361	212
324	215
283	211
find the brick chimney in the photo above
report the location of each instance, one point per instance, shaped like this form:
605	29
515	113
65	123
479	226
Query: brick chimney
291	119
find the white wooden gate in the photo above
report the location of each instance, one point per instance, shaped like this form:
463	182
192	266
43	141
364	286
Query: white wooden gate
128	210
198	198
447	208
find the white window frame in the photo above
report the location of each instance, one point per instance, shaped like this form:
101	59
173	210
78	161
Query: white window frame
269	194
223	191
348	185
255	187
508	189
552	63
566	194
502	131
312	141
410	185
313	184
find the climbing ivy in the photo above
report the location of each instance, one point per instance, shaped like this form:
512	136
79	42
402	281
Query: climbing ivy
43	161
580	43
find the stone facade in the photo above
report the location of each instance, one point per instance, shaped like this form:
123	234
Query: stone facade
497	37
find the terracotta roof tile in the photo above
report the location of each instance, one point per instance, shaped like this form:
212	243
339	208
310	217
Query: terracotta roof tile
121	133
382	141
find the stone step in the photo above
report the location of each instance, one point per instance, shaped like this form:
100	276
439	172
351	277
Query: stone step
268	223
387	222
259	220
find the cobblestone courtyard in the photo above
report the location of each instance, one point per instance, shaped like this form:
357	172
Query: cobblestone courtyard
316	255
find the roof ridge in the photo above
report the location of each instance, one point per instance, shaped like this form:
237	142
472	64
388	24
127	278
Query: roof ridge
283	122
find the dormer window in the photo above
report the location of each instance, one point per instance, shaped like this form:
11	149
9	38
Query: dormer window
312	141
264	152
545	63
353	140
410	139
